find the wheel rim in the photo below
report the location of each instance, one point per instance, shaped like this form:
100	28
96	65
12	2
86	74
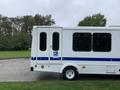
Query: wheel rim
70	74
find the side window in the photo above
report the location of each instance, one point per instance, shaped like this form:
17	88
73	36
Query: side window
43	41
82	41
101	42
55	41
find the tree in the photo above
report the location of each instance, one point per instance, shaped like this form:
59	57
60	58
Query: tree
15	32
21	41
27	23
6	26
94	20
16	24
43	20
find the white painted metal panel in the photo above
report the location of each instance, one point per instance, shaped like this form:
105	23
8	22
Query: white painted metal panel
66	40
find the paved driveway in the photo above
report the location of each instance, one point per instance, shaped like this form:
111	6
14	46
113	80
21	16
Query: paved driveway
19	70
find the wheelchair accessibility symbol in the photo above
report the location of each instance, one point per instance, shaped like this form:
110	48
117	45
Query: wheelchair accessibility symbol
55	54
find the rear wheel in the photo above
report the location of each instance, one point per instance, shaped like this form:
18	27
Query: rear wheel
70	73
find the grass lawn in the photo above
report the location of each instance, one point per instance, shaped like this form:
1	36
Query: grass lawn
63	85
14	54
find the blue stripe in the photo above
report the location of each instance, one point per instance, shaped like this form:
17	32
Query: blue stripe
57	58
76	59
33	58
86	59
90	59
42	58
116	59
45	58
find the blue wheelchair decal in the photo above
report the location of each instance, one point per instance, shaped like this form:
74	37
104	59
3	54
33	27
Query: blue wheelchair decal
55	54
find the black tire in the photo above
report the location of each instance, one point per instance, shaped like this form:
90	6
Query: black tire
69	77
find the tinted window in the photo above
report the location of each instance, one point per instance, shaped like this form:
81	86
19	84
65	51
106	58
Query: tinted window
55	44
43	41
82	41
102	42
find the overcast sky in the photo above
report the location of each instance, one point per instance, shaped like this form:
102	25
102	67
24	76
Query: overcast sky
64	12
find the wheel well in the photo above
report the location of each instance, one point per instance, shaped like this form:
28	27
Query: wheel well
70	67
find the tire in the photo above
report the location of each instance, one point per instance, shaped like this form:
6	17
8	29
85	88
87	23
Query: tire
70	73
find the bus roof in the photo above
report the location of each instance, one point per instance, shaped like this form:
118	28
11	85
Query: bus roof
81	28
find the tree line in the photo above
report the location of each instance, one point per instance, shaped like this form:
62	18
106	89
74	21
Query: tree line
15	32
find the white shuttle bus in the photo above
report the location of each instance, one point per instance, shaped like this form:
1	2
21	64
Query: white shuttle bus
74	51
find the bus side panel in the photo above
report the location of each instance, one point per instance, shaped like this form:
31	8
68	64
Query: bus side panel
92	62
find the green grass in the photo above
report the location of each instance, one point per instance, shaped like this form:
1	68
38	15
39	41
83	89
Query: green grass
14	54
63	85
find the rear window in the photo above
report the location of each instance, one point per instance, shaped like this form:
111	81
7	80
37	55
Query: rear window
55	41
43	41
